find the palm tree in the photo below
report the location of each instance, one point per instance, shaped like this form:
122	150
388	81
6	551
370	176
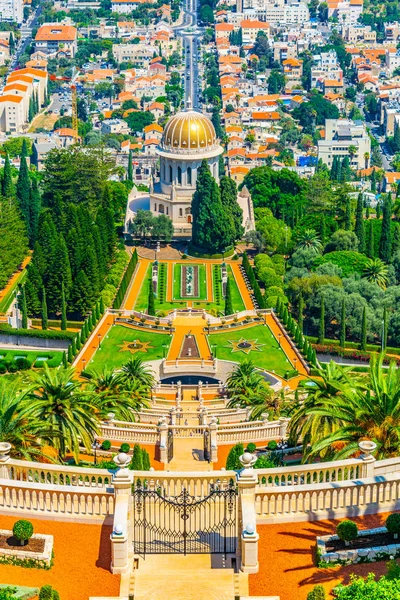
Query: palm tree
108	396
352	150
135	371
375	271
367	156
70	414
309	239
367	410
309	421
246	387
23	431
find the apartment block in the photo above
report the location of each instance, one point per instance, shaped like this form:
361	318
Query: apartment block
12	10
53	38
16	95
340	134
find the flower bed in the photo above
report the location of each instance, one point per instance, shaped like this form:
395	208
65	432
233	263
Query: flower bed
370	545
37	552
348	353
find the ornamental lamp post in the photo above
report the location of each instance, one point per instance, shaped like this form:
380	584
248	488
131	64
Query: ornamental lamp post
95	447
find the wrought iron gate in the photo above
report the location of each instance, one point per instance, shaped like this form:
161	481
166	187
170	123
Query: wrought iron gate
185	524
207	445
170	445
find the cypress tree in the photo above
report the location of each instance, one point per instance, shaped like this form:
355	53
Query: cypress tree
98	311
233	211
321	328
65	360
130	167
385	241
323	230
137	458
59	272
90	323
210	230
78	341
395	246
23	190
373	181
101	306
23	308
345	174
11	43
378	210
347	215
228	298
63	309
371	241
359	228
343	325
334	169
151	310
301	313
35	204
367	212
7	187
31	109
363	343
396	138
385	327
70	354
44	310
146	460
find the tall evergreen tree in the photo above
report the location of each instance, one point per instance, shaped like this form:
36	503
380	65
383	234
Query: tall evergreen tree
11	43
35	204
359	228
130	166
233	211
59	273
301	313
151	309
23	189
210	230
321	327
347	214
396	137
31	109
23	308
343	325
385	328
228	299
63	309
345	174
386	235
378	210
363	343
371	241
44	310
7	187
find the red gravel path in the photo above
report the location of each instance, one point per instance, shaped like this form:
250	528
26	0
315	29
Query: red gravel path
286	559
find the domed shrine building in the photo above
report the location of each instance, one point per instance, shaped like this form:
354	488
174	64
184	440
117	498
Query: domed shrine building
189	137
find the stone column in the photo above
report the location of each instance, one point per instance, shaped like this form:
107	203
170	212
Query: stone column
203	416
5	449
172	416
122	533
283	425
213	427
200	391
367	447
163	440
247	482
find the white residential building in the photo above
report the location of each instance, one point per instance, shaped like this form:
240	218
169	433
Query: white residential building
340	134
12	10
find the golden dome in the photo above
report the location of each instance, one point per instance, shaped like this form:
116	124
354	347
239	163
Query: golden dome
189	130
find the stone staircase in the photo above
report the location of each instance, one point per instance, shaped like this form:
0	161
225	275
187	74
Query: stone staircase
192	577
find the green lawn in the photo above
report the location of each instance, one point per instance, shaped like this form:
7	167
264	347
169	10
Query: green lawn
202	295
113	356
143	296
37	358
6	301
269	357
237	301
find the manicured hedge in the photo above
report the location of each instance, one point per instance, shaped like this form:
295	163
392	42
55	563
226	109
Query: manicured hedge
119	298
197	253
39	333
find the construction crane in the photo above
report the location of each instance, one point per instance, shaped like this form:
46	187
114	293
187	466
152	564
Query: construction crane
74	103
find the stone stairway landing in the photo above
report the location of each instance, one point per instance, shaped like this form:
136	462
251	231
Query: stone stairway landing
188	455
174	577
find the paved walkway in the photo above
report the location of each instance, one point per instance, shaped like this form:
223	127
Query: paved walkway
191	577
138	279
188	456
182	327
288	350
170	281
210	280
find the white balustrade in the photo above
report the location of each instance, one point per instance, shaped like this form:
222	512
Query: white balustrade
196	483
314	474
40	473
136	434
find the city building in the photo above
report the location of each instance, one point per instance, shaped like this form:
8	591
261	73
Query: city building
12	10
53	38
340	134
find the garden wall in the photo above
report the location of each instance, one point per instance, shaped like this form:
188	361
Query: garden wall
34	342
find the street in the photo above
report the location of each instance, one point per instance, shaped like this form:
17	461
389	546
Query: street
190	43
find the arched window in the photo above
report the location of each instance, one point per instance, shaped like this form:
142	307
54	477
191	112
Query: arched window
161	208
163	171
179	175
189	175
155	207
170	174
180	212
187	210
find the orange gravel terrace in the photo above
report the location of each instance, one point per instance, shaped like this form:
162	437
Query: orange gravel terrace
82	557
287	565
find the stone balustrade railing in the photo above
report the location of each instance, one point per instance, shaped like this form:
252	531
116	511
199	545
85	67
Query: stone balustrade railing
328	500
186	431
137	434
84	504
236	433
196	483
40	473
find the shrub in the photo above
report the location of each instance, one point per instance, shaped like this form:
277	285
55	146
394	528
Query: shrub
23	531
393	524
383	589
56	595
106	445
318	593
232	462
125	448
347	531
23	364
3	368
8	593
348	260
251	447
272	445
12	367
47	593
